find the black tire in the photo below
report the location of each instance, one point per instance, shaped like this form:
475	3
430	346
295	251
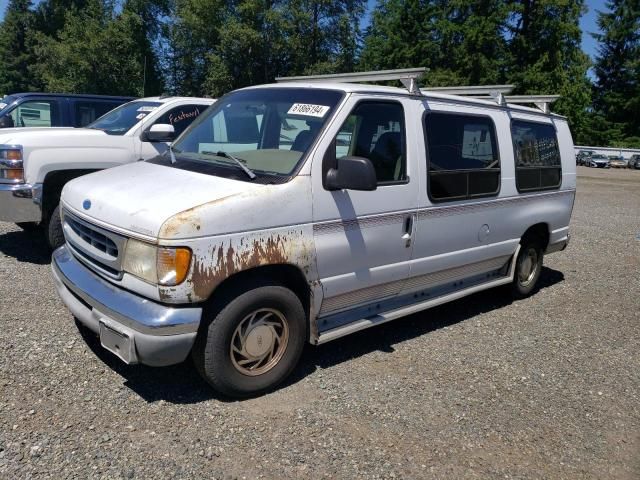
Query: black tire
527	268
218	362
53	229
29	226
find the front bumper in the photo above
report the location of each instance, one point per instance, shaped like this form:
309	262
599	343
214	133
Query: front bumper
20	202
134	328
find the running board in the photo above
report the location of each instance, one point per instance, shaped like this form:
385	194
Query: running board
385	317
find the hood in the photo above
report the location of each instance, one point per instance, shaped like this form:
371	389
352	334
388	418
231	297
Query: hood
47	135
140	197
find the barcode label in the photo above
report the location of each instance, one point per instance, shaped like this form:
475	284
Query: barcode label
308	110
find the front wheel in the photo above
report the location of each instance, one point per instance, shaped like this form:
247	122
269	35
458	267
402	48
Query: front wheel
253	343
53	229
527	269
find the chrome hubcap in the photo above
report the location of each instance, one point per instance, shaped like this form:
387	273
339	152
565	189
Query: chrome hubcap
259	341
528	266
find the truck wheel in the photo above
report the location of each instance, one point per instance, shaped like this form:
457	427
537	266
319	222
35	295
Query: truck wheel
253	343
527	269
29	226
53	229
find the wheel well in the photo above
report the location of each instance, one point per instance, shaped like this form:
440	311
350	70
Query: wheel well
52	187
539	231
289	276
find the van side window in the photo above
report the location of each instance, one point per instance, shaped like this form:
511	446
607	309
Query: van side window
537	156
181	117
87	111
375	130
463	159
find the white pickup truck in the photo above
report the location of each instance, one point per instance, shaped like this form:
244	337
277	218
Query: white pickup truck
35	163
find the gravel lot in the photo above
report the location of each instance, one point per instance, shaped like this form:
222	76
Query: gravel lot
547	387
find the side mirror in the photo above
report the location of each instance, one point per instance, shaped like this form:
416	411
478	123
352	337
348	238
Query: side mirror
6	121
353	173
160	132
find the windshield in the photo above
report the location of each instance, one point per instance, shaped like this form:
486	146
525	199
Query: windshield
120	120
268	130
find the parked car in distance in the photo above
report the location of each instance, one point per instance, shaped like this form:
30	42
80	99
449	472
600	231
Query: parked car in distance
36	163
617	161
303	212
598	161
634	162
583	156
55	109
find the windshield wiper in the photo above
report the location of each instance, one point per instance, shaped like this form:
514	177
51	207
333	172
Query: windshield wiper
238	162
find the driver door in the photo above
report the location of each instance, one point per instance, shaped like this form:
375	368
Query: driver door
363	239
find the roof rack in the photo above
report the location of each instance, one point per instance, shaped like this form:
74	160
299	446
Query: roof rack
543	102
408	76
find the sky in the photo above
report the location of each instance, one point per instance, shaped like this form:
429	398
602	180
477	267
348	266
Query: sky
588	23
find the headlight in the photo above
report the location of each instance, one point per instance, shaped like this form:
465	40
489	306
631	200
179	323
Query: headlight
11	163
162	265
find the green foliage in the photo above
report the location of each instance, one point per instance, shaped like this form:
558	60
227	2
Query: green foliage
208	47
617	69
15	55
95	52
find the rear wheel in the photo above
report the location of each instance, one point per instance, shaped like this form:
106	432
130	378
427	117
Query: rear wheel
253	343
528	267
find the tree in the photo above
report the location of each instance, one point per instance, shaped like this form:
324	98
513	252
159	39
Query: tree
15	54
95	52
460	42
547	56
617	70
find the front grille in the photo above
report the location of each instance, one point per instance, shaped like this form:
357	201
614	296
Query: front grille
98	248
93	237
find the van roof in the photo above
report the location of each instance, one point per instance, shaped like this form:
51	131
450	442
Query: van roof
395	91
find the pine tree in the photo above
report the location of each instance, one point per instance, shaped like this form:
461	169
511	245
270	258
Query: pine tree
460	42
547	57
15	54
617	70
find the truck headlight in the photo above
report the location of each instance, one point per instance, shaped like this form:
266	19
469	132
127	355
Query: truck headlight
163	265
11	168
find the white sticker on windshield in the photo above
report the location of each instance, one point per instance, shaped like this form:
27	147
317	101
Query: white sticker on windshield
140	116
2	105
146	108
308	110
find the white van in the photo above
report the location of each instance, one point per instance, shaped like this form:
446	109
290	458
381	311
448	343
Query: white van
305	211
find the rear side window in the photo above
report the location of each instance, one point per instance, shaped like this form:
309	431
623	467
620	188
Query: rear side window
181	117
87	111
537	156
463	156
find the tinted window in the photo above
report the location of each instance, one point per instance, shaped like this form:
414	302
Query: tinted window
87	111
181	117
36	113
463	156
537	156
375	130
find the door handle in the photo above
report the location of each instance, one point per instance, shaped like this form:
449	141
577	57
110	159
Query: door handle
408	231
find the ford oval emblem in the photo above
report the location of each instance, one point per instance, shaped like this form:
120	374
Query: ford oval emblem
86	204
